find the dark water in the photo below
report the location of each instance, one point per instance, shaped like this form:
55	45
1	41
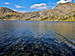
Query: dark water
26	38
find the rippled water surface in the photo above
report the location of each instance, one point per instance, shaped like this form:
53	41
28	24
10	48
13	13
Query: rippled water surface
27	38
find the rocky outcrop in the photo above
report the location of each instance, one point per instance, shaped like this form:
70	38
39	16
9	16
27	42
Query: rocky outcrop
61	12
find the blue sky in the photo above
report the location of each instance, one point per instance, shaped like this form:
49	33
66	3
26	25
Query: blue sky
29	5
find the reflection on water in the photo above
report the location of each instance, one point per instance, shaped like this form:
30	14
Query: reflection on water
25	38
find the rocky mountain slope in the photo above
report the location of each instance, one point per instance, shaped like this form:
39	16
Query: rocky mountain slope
62	12
8	14
5	10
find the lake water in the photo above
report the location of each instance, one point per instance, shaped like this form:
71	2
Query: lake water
34	38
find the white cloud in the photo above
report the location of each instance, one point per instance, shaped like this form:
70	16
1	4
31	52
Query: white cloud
6	3
19	11
14	9
39	6
22	11
18	6
64	1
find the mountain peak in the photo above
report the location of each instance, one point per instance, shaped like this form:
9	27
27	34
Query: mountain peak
65	6
60	12
61	4
5	10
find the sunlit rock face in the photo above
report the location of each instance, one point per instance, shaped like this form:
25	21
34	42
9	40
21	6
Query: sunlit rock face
7	14
4	10
62	10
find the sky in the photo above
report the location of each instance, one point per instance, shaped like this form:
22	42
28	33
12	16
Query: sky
31	5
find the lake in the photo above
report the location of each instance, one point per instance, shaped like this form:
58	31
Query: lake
37	38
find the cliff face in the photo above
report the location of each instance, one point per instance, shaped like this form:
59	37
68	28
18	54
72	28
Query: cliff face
64	9
61	12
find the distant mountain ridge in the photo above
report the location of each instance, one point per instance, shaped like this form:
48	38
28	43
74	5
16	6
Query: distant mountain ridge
62	12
